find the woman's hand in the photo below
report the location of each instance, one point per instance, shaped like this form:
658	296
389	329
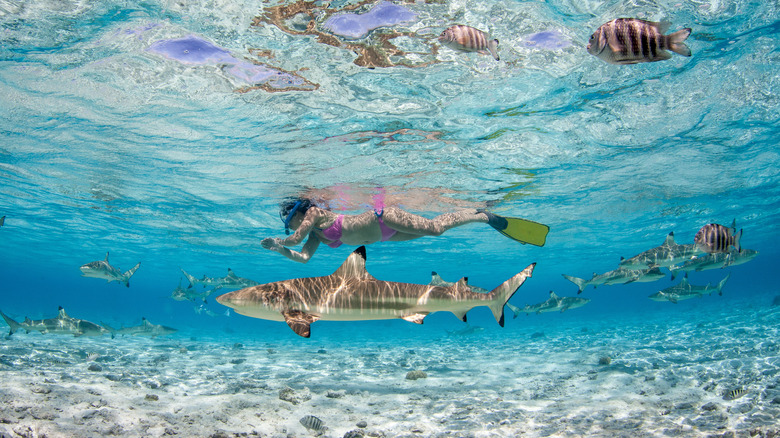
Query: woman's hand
272	243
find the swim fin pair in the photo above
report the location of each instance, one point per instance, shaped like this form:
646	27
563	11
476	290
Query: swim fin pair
521	230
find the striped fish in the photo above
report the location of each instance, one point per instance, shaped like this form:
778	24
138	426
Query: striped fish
714	238
466	38
734	394
631	40
312	423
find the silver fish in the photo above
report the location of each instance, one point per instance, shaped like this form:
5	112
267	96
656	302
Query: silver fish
631	40
715	238
469	39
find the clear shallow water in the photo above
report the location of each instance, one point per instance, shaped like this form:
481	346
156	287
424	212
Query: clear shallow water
109	146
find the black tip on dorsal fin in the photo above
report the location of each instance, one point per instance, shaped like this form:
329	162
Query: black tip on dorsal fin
60	308
230	270
361	251
433	273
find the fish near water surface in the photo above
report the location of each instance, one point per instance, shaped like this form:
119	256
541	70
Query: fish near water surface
352	294
469	39
715	238
631	41
102	269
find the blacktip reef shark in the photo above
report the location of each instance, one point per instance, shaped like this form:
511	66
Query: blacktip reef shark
668	254
62	324
352	294
685	291
145	329
715	261
617	276
190	294
230	281
102	269
553	304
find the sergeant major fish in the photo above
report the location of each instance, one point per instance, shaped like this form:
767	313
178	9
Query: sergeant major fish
102	269
469	39
631	40
715	238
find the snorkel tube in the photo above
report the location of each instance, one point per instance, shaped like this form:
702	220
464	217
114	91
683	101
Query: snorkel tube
293	210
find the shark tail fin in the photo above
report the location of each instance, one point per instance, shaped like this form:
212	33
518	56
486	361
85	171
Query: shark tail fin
130	273
14	326
721	283
193	281
503	293
580	282
516	310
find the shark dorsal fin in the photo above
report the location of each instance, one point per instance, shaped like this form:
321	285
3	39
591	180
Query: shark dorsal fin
231	274
669	239
106	256
61	313
145	322
354	266
464	282
436	278
552	295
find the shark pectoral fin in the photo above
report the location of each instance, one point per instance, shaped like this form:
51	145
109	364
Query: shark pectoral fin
299	322
416	318
461	315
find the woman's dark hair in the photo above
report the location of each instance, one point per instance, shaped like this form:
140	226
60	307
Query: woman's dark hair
288	209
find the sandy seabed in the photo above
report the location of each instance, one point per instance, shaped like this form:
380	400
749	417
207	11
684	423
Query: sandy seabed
661	376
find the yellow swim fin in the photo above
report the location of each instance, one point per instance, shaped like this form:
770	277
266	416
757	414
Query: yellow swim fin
522	230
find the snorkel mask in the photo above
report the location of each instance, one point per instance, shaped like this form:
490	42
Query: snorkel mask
290	215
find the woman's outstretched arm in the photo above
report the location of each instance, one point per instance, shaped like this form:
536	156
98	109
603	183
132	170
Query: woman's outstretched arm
308	250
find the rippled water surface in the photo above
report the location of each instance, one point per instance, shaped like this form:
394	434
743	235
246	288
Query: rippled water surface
169	132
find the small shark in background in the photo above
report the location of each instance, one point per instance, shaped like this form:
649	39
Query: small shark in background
230	281
553	304
102	269
145	329
715	261
189	294
668	254
352	294
617	276
685	291
466	331
62	324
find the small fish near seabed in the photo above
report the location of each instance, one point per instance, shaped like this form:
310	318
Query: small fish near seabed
631	41
553	304
352	294
714	261
469	39
62	324
684	291
230	281
145	329
715	238
102	269
617	276
668	254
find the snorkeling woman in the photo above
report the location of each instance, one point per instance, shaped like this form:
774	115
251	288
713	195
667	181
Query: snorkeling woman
388	224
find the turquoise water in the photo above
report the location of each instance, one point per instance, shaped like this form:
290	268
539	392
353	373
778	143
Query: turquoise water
109	145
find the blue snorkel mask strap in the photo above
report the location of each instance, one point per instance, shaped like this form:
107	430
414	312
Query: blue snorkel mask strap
290	216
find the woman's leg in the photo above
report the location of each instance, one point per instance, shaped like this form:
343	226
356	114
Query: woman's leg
413	225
